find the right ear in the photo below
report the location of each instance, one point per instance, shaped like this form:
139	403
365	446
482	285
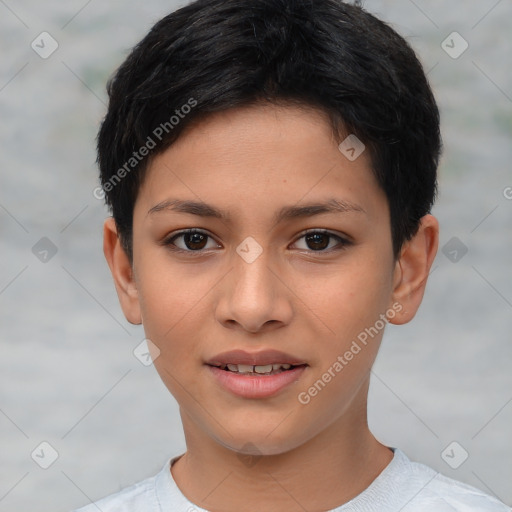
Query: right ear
122	272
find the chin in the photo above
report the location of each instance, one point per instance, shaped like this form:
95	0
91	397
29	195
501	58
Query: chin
258	440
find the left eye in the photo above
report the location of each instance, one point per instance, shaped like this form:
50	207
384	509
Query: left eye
319	241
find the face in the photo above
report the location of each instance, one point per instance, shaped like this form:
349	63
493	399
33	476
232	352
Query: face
287	259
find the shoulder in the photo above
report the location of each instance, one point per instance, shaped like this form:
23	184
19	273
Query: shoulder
438	492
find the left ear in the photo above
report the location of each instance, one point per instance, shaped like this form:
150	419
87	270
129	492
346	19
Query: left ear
412	270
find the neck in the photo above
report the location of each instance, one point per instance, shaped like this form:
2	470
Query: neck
321	474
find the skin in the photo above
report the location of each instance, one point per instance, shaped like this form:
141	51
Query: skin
251	162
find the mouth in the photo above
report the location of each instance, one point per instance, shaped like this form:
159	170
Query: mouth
256	375
257	370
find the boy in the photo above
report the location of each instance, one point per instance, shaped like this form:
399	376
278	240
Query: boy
271	166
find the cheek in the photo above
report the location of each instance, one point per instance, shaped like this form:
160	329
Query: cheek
171	311
350	297
172	301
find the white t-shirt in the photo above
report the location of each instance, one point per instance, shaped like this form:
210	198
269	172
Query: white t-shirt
403	486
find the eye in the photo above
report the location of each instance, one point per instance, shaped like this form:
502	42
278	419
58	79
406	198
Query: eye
193	240
320	240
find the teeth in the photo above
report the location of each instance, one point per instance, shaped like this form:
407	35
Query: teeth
263	369
247	368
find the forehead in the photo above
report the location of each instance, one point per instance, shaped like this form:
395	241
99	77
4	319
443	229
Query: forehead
253	159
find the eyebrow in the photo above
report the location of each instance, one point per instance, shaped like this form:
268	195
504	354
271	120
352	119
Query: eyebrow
202	209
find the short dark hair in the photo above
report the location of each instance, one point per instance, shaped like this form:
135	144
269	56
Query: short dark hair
215	55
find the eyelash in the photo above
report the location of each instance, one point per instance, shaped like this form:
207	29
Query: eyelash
169	241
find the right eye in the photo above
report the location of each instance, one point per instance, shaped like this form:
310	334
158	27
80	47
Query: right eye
193	240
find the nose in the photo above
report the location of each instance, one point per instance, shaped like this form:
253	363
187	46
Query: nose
254	297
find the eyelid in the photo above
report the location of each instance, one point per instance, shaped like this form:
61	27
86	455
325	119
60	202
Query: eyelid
324	231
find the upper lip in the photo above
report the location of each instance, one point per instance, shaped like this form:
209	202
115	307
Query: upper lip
260	358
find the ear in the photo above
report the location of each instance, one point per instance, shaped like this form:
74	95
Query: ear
122	272
412	270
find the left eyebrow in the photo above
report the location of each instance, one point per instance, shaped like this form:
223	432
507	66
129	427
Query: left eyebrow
309	210
202	209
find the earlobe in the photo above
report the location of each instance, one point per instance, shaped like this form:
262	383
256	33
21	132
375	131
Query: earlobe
413	267
122	272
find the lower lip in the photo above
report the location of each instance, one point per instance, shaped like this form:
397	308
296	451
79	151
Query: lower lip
252	386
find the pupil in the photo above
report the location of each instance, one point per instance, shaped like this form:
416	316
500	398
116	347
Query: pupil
316	238
192	239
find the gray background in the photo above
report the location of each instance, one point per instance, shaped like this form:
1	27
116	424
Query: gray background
68	375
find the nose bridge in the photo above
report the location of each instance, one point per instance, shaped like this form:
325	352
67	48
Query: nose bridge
253	296
252	276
